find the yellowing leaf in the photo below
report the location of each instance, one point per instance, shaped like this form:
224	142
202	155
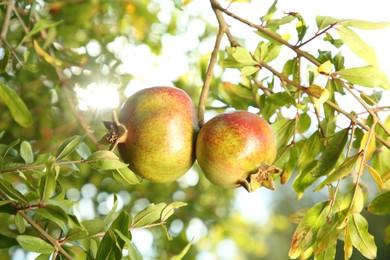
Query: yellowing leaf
46	56
348	248
370	148
325	68
321	93
375	175
305	234
362	240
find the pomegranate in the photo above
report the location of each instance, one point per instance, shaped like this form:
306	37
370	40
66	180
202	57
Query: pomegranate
159	144
237	149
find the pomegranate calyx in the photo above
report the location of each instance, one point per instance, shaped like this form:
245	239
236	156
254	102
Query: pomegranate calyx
261	178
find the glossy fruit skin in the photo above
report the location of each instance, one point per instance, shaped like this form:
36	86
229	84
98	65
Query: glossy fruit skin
162	128
233	145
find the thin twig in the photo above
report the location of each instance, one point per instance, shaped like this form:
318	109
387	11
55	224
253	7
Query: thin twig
45	235
223	27
7	19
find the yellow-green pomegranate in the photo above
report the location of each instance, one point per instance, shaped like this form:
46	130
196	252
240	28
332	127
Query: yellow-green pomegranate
161	131
234	145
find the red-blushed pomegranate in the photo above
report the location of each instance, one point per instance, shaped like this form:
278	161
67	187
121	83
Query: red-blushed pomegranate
233	146
161	131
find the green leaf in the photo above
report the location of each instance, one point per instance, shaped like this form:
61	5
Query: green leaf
364	25
331	153
83	150
68	146
7	242
304	122
361	239
133	252
243	56
35	244
4	61
148	215
54	214
108	247
19	223
324	21
105	160
305	234
8	148
15	104
380	204
359	47
182	253
271	10
26	152
292	156
48	182
94	226
328	254
344	169
122	224
127	175
249	70
39	26
330	231
368	76
168	210
7	189
166	233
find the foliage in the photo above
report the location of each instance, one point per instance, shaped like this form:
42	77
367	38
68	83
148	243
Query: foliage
50	154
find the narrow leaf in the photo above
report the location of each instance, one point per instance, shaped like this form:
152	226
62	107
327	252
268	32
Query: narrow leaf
26	152
19	223
324	21
380	204
344	169
348	248
370	148
368	76
243	56
105	160
68	146
305	234
148	215
128	175
356	44
331	153
362	240
330	231
168	210
15	104
182	253
364	25
108	248
375	175
35	244
12	193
